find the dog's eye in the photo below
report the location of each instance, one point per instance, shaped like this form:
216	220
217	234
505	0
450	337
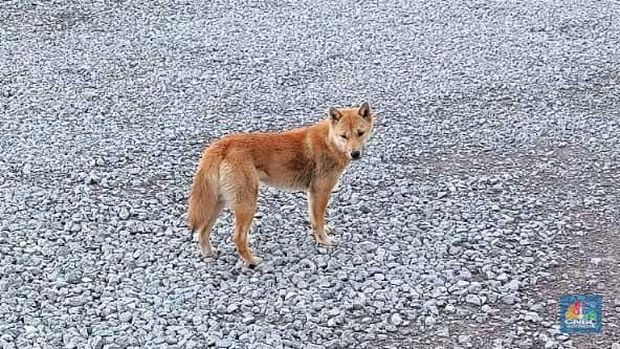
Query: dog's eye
360	133
344	136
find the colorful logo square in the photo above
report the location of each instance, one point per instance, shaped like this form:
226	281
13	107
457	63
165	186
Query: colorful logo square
581	313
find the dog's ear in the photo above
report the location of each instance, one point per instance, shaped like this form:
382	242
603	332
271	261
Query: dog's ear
334	114
365	111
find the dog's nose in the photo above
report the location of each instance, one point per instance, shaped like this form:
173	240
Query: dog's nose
355	154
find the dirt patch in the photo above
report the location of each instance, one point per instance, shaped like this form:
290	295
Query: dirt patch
589	266
585	187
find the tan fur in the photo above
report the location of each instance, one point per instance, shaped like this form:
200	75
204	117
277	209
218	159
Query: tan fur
310	159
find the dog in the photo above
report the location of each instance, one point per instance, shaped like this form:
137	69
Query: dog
310	158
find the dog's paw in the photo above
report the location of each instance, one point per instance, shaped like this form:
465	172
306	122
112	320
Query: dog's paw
254	262
326	241
208	251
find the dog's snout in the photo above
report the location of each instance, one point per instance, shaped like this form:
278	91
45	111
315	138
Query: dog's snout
356	154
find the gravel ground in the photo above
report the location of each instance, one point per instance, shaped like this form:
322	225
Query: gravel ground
491	186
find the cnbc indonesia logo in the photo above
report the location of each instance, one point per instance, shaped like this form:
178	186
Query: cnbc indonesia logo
581	313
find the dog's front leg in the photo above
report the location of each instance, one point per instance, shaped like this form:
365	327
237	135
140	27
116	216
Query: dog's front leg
318	198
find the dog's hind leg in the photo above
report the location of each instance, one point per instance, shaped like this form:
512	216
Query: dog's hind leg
244	213
240	189
204	232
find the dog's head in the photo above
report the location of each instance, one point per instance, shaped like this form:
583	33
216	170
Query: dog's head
350	128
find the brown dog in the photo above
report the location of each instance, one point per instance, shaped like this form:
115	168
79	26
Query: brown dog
310	159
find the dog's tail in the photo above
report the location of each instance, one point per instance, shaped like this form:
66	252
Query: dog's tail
204	193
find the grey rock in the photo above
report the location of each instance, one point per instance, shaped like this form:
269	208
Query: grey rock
430	321
532	317
513	285
396	320
125	317
248	319
501	277
123	213
232	308
509	299
334	312
391	328
96	342
596	260
463	339
473	299
455	250
223	343
474	287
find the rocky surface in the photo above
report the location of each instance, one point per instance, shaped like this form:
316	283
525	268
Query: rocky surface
490	188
